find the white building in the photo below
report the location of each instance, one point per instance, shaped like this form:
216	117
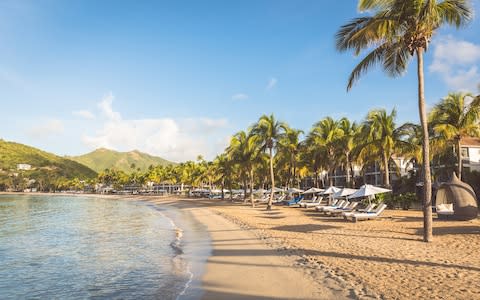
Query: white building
470	152
24	167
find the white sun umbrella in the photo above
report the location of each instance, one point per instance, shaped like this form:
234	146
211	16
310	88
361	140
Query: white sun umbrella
294	191
367	190
260	191
331	190
344	193
313	190
275	190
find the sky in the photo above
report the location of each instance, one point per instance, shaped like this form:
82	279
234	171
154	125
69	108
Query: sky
177	78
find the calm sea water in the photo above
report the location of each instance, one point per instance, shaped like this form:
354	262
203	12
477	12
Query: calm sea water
80	247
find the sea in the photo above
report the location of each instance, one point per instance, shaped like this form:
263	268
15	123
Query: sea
80	247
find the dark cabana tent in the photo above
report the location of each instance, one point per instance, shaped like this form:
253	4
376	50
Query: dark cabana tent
461	195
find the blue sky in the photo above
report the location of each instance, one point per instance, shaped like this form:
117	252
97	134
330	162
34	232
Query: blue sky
177	78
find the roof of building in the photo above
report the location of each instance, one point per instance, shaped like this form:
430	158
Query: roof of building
470	141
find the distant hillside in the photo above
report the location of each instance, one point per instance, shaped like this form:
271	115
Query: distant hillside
12	154
102	159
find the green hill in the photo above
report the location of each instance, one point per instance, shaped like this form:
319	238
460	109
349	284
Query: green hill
102	159
41	162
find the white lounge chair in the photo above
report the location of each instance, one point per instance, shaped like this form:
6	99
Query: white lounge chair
367	209
314	204
333	208
341	203
369	215
350	208
315	199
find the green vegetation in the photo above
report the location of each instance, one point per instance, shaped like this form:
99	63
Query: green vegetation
48	170
127	162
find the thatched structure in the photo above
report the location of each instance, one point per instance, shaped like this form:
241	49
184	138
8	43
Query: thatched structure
461	195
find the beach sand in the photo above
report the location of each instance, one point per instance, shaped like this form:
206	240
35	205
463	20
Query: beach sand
293	253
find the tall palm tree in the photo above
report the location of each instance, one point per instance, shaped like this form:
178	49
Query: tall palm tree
347	144
269	131
289	145
382	134
454	118
398	30
326	135
243	150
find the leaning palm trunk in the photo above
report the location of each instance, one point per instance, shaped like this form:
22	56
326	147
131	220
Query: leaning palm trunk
386	170
251	189
272	180
459	157
427	180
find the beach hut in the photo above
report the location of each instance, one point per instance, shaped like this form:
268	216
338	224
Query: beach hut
456	200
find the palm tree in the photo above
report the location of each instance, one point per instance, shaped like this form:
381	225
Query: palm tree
289	146
398	30
326	135
244	151
269	131
381	132
347	143
454	118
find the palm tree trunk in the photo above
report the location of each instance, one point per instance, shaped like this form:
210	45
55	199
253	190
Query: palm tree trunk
427	180
386	169
251	188
244	190
223	185
459	157
272	180
347	156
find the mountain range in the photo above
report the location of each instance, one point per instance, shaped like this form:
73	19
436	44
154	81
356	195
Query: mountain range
101	159
36	162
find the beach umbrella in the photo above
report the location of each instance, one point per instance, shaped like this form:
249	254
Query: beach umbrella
331	190
294	191
367	190
275	190
344	193
260	191
313	190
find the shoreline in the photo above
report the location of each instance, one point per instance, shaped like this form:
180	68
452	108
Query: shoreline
243	266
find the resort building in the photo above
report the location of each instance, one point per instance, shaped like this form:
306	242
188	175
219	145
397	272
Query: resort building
470	152
24	167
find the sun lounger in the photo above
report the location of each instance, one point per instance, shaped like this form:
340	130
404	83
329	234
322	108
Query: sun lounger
314	204
349	208
342	203
369	215
313	200
367	209
294	201
336	207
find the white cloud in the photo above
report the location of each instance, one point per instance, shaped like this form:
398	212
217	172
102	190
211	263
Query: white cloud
84	114
48	128
105	106
457	62
272	82
240	96
173	139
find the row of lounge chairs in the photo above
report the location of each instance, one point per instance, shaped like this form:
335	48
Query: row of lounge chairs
341	208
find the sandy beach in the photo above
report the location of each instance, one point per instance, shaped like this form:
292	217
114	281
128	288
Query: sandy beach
293	253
